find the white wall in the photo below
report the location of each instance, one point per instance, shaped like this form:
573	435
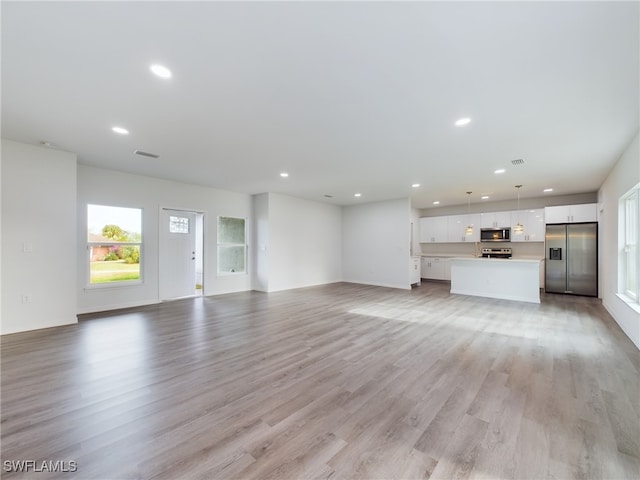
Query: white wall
261	242
298	242
623	177
107	187
38	212
375	245
415	238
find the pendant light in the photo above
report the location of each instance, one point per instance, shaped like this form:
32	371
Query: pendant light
518	229
469	230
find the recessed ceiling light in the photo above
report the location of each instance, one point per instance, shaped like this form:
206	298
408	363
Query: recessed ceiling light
415	185
485	197
436	202
462	122
499	171
547	190
120	130
284	174
357	194
161	71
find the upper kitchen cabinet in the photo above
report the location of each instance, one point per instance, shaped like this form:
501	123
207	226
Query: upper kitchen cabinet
457	224
433	229
495	219
571	213
533	223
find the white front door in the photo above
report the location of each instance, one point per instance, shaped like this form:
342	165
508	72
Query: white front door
177	254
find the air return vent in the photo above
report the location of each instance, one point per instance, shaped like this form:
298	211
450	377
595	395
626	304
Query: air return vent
146	154
517	161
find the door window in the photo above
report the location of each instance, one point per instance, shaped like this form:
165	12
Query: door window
178	224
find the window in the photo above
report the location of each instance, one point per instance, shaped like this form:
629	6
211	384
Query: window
178	224
114	243
232	248
629	221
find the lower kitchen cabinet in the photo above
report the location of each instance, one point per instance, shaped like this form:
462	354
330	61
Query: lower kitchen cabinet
415	269
435	268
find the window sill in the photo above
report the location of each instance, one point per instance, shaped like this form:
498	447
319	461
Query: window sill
630	302
98	286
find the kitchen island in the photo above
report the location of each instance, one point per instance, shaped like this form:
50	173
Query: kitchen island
508	279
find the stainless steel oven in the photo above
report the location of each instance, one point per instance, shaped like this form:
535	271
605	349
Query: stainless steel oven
501	234
496	253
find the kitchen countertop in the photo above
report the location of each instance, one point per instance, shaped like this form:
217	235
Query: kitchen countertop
512	259
445	255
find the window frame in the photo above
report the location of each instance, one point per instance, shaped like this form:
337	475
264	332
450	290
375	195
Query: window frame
90	245
220	244
629	234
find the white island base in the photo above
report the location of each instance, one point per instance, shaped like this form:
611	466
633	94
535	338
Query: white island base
508	279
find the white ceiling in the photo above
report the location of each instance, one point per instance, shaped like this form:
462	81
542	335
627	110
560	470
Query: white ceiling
346	97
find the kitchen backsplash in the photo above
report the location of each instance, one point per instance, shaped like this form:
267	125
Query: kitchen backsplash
519	249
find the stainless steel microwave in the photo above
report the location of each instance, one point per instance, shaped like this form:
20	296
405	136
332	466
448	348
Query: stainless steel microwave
500	234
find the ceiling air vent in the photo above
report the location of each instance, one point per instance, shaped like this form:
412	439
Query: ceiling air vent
517	161
146	154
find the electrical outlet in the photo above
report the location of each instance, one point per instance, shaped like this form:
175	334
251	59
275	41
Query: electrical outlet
26	298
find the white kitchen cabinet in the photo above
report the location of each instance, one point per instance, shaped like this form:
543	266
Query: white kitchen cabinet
436	268
587	212
424	267
509	279
447	269
533	223
495	219
536	227
571	213
415	271
457	224
433	229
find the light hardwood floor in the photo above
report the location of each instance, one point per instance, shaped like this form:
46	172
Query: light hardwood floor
341	381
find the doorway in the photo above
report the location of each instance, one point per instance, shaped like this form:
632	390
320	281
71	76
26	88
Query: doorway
181	258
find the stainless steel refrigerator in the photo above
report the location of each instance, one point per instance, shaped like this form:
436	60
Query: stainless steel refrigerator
572	258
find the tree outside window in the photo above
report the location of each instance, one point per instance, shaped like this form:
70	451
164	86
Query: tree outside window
114	242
